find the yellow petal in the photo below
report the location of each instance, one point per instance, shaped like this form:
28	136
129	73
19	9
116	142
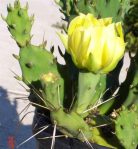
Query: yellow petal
64	39
110	31
95	48
82	54
91	65
92	20
105	21
75	23
119	29
109	41
108	52
119	52
74	42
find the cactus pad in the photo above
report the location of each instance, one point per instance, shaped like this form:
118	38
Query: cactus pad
126	126
19	23
71	124
36	63
100	8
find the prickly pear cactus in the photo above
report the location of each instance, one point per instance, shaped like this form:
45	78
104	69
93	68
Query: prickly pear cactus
100	8
126	127
74	97
19	23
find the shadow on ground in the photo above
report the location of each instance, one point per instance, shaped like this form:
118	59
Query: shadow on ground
9	122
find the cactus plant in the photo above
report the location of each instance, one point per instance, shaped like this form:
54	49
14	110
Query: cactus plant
75	98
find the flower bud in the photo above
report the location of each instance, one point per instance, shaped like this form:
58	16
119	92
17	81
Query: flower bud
94	44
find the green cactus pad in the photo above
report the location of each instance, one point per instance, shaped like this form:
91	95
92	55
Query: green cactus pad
86	90
71	124
99	90
52	90
19	23
99	139
126	127
112	8
35	61
99	8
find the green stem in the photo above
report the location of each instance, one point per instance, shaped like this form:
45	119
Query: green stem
87	83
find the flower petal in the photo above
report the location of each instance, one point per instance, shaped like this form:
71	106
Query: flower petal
119	29
119	52
75	23
105	21
64	39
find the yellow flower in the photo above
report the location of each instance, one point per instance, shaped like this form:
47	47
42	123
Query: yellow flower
94	44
